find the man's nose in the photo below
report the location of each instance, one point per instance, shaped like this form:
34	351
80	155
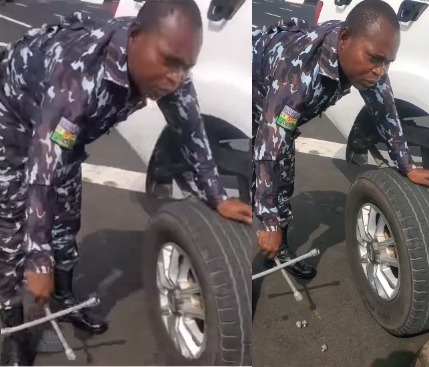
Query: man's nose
379	71
176	77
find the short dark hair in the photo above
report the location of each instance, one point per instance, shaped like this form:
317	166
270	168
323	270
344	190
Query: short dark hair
365	14
153	11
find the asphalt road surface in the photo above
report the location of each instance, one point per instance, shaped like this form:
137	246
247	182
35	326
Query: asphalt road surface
335	314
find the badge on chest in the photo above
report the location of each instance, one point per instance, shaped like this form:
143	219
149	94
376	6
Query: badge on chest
288	118
65	134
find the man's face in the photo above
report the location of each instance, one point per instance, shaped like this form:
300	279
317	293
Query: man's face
159	61
364	59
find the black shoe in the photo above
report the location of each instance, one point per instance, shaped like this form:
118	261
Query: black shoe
285	254
63	298
15	348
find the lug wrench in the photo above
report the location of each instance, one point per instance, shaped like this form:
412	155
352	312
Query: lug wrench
67	350
296	293
91	302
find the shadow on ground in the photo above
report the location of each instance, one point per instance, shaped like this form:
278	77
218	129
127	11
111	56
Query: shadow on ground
308	208
396	359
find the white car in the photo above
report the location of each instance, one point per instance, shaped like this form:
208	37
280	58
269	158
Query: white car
387	217
197	267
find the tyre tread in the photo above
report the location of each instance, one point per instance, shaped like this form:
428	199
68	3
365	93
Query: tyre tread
411	203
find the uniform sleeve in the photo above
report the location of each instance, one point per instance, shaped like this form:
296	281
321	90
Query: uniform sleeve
381	104
181	109
61	106
274	141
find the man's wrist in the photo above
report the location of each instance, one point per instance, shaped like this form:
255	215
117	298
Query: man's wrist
41	262
269	227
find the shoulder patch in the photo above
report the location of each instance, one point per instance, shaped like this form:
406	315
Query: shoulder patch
288	118
65	134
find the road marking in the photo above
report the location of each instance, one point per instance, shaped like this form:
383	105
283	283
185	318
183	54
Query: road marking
3	44
286	9
59	15
321	148
114	177
23	5
136	181
329	149
254	26
16	21
274	15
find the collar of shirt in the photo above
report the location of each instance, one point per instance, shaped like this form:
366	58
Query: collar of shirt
328	62
115	64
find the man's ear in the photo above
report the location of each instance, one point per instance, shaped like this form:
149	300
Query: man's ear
134	31
343	37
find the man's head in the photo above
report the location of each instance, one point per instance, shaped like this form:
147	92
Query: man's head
163	44
368	42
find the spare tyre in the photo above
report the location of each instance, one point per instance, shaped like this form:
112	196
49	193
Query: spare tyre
197	280
387	236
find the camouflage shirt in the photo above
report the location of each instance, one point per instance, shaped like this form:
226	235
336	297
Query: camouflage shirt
73	76
296	77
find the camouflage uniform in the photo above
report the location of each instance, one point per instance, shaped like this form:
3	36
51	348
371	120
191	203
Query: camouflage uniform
68	82
296	77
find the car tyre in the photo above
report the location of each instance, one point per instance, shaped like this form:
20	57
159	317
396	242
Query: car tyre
218	252
403	208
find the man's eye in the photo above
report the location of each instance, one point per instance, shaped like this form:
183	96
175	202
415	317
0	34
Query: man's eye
375	59
172	63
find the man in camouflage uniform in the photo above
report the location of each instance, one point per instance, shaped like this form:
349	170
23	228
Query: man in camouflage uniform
63	86
298	72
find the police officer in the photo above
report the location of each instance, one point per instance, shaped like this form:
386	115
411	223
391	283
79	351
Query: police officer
298	72
62	87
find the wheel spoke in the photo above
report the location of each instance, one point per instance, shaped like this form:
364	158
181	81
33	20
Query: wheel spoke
390	283
372	222
185	339
162	280
173	268
382	284
379	229
370	273
361	230
183	274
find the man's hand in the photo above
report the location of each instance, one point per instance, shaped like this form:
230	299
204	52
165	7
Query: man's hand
419	176
269	242
39	285
236	210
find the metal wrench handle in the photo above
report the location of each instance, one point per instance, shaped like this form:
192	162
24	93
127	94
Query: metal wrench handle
312	253
68	351
91	302
296	293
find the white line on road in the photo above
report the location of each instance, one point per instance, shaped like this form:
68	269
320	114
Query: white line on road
329	149
58	15
114	177
321	148
286	9
23	5
3	44
254	26
15	21
136	181
274	15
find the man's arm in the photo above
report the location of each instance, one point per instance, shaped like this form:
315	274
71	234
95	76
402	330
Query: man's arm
61	107
181	109
274	139
381	104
